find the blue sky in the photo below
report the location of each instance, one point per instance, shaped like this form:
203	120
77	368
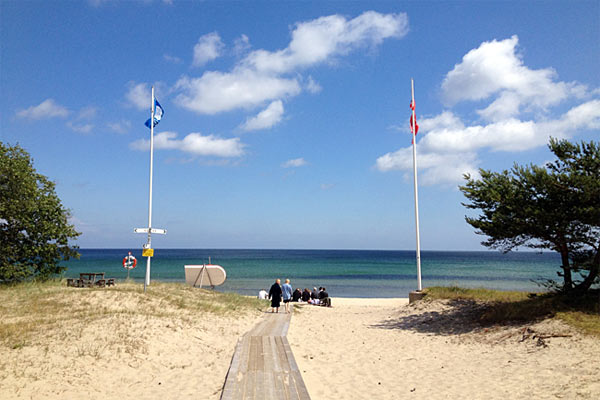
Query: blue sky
286	123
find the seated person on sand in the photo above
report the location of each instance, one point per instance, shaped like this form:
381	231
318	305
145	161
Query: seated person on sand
263	295
296	295
324	299
314	296
306	295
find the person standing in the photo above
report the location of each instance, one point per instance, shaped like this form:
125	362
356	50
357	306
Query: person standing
263	294
275	295
287	295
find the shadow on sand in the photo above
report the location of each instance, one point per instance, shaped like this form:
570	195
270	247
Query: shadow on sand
453	317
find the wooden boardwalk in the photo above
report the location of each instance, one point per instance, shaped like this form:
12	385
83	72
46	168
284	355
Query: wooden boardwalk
263	366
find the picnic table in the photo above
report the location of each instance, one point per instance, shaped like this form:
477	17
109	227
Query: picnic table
89	279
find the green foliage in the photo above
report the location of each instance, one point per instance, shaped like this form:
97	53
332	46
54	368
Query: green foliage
34	227
556	208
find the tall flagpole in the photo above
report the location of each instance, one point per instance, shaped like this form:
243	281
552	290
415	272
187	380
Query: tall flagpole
414	148
149	244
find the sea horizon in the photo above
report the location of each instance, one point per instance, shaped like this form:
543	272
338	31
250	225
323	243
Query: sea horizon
346	273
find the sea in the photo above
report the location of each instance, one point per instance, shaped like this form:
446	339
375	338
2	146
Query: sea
345	273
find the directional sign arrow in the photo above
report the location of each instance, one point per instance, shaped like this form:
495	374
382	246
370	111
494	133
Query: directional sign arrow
153	230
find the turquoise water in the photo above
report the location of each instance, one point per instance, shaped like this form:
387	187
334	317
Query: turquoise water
345	273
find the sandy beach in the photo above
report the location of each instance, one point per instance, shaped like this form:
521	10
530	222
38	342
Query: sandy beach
386	349
125	345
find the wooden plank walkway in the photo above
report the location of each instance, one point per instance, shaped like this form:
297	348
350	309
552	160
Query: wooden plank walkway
263	366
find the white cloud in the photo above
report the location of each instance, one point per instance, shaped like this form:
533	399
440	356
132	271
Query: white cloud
216	92
445	120
294	163
514	119
46	109
194	143
80	128
260	77
449	149
584	116
266	118
434	168
172	59
312	86
208	48
495	68
121	127
241	45
327	186
138	95
87	113
318	40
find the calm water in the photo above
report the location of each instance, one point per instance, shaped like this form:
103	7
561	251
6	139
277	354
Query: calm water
345	273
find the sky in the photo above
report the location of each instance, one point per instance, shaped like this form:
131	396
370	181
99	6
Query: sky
286	123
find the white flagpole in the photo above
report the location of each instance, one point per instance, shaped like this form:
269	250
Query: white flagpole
149	244
414	143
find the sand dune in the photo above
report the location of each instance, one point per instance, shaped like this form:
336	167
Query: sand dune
131	346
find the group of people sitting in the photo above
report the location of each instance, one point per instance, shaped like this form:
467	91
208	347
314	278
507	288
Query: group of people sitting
285	292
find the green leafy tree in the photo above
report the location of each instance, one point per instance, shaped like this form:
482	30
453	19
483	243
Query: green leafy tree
34	227
556	208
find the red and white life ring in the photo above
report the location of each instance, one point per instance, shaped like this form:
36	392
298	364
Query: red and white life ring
129	262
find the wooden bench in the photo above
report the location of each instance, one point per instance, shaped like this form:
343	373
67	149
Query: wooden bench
90	279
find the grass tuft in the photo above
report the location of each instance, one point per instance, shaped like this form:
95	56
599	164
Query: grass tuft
504	307
33	310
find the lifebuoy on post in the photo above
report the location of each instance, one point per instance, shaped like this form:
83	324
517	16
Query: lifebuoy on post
129	262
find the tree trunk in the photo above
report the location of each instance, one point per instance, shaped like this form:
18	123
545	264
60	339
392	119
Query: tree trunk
566	266
589	280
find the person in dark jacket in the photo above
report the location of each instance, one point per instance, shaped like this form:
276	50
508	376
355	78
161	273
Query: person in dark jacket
306	295
315	294
323	294
296	295
275	295
324	299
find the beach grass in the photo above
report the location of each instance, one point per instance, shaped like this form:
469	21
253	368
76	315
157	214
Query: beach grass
504	307
34	310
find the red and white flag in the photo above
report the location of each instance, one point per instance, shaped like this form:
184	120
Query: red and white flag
416	126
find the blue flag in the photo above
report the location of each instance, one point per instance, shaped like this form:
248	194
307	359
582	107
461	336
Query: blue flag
158	113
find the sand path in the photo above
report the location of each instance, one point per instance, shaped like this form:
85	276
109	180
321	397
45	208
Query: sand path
385	349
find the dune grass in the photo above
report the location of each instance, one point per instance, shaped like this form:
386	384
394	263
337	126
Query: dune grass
581	312
30	311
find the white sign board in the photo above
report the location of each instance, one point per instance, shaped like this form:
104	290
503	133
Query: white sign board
153	230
